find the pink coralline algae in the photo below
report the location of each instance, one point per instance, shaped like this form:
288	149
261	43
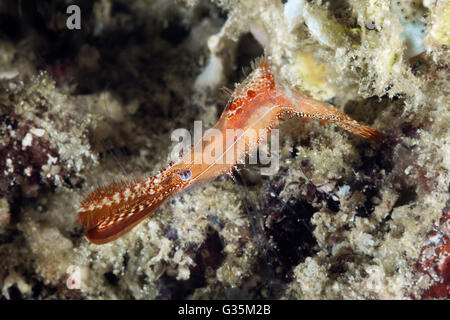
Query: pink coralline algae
433	265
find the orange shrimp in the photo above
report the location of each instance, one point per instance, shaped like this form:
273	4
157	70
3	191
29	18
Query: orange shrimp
258	103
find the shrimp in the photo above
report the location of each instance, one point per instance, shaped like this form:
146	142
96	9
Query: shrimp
257	104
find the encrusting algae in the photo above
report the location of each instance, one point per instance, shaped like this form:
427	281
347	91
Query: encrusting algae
342	218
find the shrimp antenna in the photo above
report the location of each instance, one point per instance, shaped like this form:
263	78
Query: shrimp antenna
227	90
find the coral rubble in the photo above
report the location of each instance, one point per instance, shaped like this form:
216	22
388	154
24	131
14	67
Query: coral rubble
342	219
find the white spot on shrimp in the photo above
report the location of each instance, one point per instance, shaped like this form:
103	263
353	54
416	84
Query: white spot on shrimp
117	197
106	202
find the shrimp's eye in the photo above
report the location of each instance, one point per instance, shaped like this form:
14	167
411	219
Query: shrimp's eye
185	175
